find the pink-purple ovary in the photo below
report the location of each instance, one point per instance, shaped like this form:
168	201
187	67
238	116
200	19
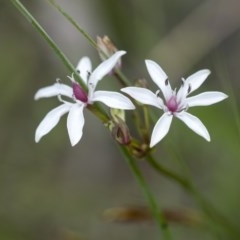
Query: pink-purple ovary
172	104
79	93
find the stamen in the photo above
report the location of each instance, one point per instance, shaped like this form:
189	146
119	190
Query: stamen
72	78
166	82
59	86
59	96
61	100
91	86
88	74
182	82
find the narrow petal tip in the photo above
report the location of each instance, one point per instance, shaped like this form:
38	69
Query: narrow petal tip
122	52
50	121
194	124
54	90
147	61
130	106
206	99
224	96
37	137
208	139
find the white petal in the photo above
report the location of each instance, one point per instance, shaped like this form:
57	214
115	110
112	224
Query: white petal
84	67
159	77
196	79
113	100
54	90
104	68
195	124
192	83
51	120
144	96
161	129
75	122
205	99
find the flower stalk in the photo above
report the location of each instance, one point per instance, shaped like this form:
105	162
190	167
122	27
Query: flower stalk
160	218
48	39
117	72
172	103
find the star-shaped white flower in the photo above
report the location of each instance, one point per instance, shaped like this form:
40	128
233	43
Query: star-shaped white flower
80	99
175	103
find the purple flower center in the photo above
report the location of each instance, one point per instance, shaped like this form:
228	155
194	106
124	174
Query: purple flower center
172	104
79	93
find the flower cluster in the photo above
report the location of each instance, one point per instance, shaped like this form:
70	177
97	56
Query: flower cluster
173	103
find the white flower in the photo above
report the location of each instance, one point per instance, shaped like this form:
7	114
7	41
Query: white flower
80	99
175	103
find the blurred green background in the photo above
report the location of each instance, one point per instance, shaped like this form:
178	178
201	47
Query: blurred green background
52	191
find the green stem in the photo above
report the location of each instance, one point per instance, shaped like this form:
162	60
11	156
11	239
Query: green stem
224	76
120	76
146	123
58	52
217	222
167	173
123	82
208	209
96	110
48	39
160	219
146	117
70	19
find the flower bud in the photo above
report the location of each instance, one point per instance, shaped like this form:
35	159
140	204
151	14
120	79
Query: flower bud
117	113
118	127
141	82
106	49
120	132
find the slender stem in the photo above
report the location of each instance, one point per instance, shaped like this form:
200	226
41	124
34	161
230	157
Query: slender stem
48	39
213	214
146	117
224	76
58	52
122	78
160	219
96	110
208	209
123	82
70	19
119	75
164	171
146	123
215	218
186	184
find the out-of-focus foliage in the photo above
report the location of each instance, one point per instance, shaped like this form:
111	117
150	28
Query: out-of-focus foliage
53	191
